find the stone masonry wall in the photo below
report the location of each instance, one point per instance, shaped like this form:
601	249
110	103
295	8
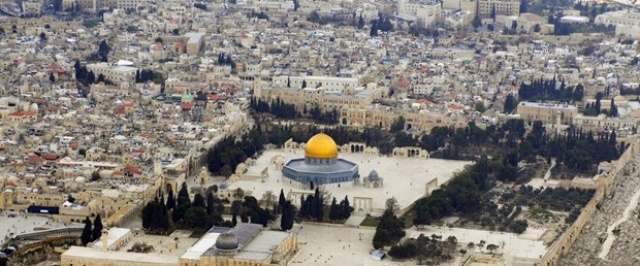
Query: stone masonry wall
605	183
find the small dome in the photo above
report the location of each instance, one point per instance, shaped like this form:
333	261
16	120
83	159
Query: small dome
373	175
321	146
226	241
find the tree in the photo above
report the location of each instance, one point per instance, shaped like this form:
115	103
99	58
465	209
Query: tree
613	111
398	124
374	30
171	200
288	214
198	201
43	37
281	200
101	78
493	12
389	230
492	247
97	228
183	203
52	78
361	22
509	104
345	208
537	28
598	105
523	6
391	204
334	210
91	78
211	203
86	235
490	27
103	48
514	25
296	5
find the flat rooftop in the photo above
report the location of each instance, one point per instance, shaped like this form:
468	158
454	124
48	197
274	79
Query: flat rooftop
549	105
160	244
125	258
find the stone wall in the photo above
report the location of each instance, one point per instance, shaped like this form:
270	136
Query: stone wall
605	182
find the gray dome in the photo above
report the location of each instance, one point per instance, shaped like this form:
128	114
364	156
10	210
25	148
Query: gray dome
226	241
373	175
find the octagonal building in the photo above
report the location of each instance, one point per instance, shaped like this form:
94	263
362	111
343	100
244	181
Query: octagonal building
320	166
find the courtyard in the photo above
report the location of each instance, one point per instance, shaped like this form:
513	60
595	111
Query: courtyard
405	179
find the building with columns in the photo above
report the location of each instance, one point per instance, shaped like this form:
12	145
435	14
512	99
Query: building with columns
245	244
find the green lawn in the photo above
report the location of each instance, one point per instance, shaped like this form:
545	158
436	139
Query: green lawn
370	221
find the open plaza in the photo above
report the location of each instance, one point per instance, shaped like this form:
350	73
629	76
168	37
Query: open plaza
405	179
14	223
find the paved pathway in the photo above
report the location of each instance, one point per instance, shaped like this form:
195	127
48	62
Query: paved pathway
606	246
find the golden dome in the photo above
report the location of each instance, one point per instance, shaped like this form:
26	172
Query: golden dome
321	146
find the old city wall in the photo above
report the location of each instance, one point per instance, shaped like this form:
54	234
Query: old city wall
605	182
24	24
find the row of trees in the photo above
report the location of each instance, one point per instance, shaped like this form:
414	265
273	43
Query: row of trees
144	75
596	107
277	108
425	249
542	90
312	208
381	24
282	110
576	151
91	231
228	153
160	216
340	212
86	77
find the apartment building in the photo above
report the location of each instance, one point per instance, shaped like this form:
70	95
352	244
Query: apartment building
329	84
31	8
117	74
424	12
502	7
548	113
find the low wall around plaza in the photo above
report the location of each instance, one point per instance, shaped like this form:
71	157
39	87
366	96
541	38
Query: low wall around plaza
605	182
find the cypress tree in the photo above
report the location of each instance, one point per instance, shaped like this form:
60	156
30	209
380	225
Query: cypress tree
211	204
319	206
97	228
288	213
345	208
171	201
334	211
282	200
86	232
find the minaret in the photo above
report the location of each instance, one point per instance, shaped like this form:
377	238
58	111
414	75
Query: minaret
558	121
105	240
257	87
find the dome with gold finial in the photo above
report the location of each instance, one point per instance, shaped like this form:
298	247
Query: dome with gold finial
321	146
